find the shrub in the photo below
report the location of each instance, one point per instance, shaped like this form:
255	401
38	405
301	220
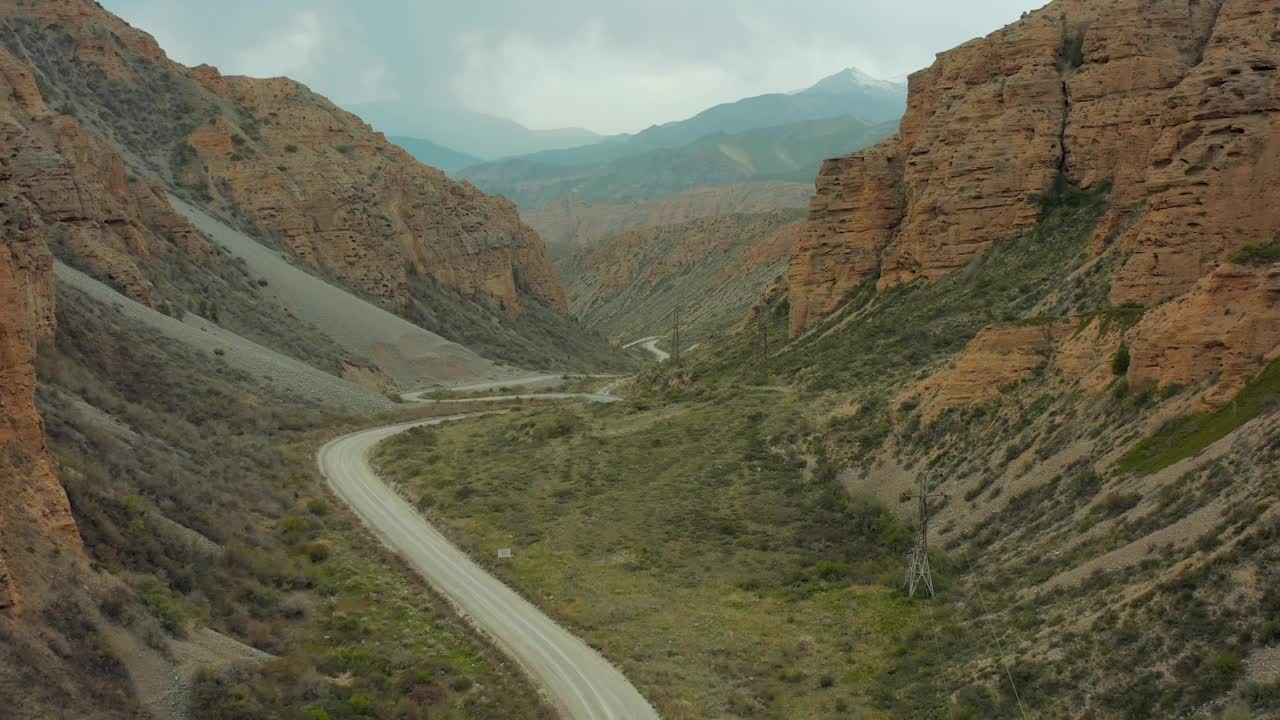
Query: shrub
1120	363
162	603
291	148
1072	52
1258	253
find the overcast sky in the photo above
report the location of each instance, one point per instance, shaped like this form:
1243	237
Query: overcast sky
610	66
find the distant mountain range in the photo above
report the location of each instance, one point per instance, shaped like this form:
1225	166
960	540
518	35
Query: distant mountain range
486	137
451	138
848	92
437	156
787	152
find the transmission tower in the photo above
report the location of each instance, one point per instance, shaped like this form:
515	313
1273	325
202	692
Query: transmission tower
919	570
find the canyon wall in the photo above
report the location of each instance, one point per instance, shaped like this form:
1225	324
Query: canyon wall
1172	106
281	161
1173	102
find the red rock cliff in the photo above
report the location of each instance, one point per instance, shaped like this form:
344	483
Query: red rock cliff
1176	103
33	505
276	156
1172	100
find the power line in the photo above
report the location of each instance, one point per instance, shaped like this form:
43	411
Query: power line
999	646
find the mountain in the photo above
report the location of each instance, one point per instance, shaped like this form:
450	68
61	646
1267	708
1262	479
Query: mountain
437	156
572	222
478	134
295	172
847	93
787	152
627	284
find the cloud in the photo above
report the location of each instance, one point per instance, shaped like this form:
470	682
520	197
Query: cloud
608	66
288	51
589	79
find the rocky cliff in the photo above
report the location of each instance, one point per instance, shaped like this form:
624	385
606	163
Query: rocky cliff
1173	105
281	161
34	513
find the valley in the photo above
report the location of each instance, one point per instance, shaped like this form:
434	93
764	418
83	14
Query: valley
424	412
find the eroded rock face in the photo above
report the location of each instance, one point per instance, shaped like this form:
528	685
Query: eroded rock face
1080	348
1000	355
94	210
1171	101
858	204
1213	172
280	159
1175	103
347	202
1227	328
32	502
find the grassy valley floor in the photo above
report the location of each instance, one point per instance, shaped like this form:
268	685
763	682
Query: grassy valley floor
696	544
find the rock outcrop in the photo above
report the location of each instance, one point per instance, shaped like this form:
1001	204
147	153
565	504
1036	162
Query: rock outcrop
341	198
999	356
282	162
1170	101
34	511
1227	329
1172	104
858	204
98	214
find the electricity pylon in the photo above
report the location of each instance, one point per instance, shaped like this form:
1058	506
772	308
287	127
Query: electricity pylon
918	570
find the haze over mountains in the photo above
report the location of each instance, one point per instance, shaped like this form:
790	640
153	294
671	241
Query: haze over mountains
849	92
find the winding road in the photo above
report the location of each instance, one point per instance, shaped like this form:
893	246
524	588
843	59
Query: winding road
579	681
650	344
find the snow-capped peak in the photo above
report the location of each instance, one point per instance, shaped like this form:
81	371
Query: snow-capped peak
854	77
860	78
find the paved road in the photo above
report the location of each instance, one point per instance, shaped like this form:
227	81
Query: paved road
581	683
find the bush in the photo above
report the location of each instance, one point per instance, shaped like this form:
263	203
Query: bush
1120	363
161	603
1258	253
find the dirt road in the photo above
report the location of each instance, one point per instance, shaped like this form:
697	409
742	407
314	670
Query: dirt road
579	681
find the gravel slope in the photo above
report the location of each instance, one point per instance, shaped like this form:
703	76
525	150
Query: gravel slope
581	683
413	357
286	374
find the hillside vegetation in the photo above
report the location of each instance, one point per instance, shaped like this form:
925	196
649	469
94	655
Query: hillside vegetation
700	509
713	269
193	488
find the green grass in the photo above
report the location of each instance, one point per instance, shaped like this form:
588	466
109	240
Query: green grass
296	575
899	331
689	542
391	648
1258	253
1188	435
